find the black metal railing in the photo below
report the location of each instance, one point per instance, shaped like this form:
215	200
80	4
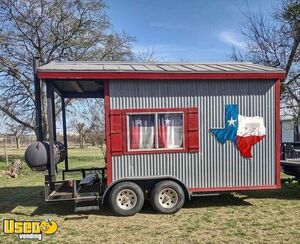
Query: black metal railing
86	171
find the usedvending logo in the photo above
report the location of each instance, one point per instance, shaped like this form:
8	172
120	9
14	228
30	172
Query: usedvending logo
29	230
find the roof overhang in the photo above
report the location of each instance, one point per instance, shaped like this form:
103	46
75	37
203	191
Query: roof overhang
78	88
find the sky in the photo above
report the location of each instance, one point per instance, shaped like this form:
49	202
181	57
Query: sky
186	30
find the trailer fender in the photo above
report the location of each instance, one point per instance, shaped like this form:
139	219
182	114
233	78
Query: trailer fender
146	183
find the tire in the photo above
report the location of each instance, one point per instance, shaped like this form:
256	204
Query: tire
126	199
167	197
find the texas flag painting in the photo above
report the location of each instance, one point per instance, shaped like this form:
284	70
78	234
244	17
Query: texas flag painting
243	131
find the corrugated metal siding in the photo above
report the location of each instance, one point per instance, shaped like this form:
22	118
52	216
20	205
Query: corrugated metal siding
215	165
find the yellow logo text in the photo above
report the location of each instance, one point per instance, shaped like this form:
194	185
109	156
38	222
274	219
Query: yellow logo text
29	229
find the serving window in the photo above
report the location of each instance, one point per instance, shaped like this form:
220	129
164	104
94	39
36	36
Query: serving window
155	131
169	130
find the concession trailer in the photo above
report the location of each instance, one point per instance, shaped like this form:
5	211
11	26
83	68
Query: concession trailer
172	131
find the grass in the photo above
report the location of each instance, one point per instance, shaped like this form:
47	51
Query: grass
259	216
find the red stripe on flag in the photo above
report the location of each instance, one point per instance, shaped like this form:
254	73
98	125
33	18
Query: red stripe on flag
134	137
162	136
244	144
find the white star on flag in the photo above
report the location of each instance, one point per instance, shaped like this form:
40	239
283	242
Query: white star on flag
231	121
138	122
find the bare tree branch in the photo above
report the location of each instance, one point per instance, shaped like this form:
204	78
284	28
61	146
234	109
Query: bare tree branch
276	44
55	30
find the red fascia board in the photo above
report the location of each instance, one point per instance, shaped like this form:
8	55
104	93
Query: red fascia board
278	132
158	76
234	188
107	132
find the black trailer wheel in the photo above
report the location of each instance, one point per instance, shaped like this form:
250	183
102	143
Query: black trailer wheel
126	198
167	197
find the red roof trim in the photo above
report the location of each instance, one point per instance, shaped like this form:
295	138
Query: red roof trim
159	76
278	131
107	132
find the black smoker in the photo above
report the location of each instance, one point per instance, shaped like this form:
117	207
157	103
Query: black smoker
37	155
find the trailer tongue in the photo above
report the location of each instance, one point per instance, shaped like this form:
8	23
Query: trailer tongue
292	167
290	162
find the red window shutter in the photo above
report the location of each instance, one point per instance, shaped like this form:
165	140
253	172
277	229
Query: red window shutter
193	130
116	136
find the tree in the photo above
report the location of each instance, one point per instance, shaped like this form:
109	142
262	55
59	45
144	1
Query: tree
147	55
83	133
276	44
53	30
87	116
89	121
16	130
96	120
